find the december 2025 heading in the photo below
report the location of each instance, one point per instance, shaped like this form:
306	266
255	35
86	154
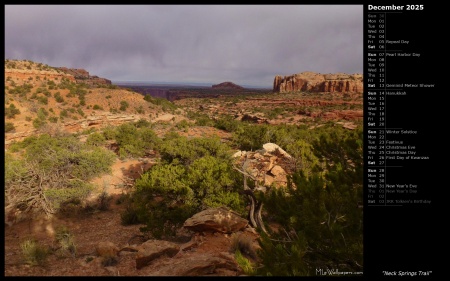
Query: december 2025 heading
414	7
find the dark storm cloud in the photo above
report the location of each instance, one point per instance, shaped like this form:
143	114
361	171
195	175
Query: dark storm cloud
247	45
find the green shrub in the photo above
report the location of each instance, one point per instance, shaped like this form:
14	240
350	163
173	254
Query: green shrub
33	96
183	124
42	113
250	137
63	113
53	119
47	93
80	111
38	123
140	109
96	139
227	123
109	133
21	90
194	174
11	111
33	252
142	123
123	105
9	127
91	162
135	141
66	242
43	100
244	263
58	97
75	191
97	107
129	216
61	166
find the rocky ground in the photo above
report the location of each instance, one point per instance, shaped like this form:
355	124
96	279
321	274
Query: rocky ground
204	253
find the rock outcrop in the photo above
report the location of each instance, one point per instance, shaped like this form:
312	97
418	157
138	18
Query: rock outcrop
82	76
269	165
21	76
316	82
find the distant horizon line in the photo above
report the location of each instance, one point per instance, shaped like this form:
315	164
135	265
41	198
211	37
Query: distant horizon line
159	83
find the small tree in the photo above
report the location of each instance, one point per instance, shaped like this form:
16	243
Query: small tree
52	170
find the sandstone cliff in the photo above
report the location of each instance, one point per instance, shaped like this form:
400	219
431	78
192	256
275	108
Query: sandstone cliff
316	82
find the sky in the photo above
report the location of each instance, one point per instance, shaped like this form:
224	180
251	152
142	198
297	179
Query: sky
245	44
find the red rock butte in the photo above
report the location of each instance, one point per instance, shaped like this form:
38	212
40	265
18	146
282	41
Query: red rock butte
317	82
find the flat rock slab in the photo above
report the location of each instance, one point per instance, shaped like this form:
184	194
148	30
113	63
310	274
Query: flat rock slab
153	249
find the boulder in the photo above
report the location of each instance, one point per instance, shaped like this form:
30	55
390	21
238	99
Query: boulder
106	249
219	219
274	148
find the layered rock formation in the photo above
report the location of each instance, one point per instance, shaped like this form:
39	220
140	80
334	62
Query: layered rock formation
316	82
25	75
82	76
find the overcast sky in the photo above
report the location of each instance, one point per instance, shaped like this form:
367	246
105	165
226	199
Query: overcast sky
244	44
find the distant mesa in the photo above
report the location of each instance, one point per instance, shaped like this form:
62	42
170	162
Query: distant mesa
227	86
317	82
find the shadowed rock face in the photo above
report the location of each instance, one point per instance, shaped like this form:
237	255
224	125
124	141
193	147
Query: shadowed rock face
316	82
